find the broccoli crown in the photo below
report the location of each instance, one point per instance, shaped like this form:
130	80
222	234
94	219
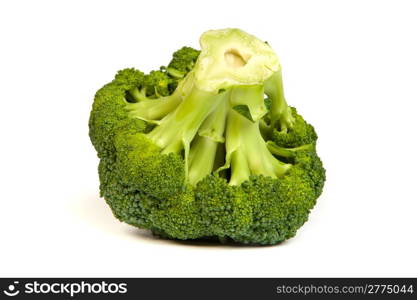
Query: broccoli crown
207	147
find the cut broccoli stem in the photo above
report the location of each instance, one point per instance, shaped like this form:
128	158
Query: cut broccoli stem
201	159
286	152
213	127
251	96
280	111
247	152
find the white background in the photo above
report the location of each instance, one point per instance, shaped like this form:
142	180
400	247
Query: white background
349	68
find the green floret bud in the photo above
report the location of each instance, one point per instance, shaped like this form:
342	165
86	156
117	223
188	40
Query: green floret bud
156	84
129	78
182	62
301	133
225	209
139	164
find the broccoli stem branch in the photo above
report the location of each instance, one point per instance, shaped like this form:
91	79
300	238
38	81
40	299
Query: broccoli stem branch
137	95
201	158
213	127
280	111
286	152
247	151
151	110
251	96
175	73
240	168
176	131
265	130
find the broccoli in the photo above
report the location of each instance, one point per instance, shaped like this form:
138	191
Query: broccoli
207	147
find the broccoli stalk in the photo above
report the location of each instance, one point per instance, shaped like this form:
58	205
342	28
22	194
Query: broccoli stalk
252	97
176	131
204	153
247	152
202	157
233	71
280	111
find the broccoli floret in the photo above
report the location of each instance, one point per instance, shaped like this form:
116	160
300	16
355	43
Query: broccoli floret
208	146
182	62
301	133
156	84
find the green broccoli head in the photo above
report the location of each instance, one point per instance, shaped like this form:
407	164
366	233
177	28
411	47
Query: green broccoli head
208	146
182	62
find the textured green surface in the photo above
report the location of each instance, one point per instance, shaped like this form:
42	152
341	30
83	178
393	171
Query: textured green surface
151	179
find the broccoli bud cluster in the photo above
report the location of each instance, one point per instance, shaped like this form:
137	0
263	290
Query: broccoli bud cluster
207	147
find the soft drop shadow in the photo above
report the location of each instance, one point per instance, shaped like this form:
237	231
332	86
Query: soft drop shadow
95	211
202	242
